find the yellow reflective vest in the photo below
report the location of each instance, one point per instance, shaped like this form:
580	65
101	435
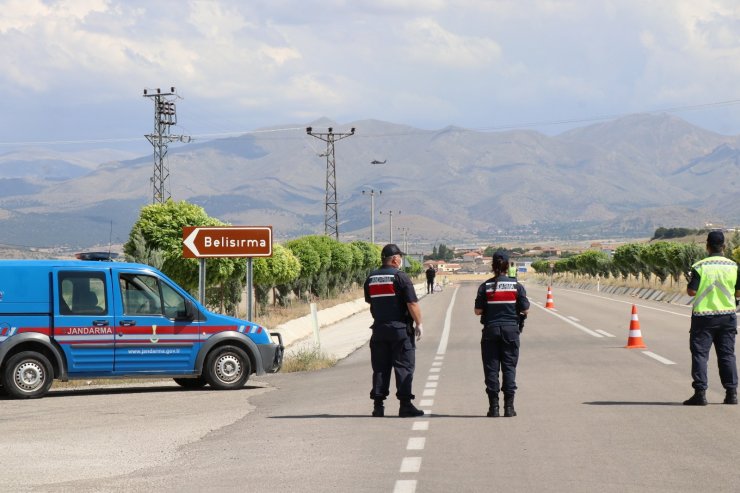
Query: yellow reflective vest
716	292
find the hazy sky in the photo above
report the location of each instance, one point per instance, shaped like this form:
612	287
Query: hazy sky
75	70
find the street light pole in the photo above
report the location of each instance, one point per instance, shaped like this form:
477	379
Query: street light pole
372	212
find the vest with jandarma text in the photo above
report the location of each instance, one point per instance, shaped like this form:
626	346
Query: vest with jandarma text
385	303
501	302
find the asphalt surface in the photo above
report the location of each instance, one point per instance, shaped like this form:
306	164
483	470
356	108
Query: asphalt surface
592	416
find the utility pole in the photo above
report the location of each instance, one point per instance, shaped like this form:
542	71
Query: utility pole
405	232
331	215
372	212
165	116
390	214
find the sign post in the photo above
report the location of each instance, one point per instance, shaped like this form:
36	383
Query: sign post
203	242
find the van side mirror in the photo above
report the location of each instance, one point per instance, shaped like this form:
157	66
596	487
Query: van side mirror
190	311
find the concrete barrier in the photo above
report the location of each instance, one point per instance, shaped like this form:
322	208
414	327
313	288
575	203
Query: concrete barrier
302	327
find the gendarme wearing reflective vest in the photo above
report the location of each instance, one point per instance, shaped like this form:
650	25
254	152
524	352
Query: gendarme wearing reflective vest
715	286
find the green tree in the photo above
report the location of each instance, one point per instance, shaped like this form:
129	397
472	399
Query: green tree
160	226
310	261
279	270
657	256
592	263
627	259
139	253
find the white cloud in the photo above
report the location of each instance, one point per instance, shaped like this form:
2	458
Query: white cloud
429	42
421	62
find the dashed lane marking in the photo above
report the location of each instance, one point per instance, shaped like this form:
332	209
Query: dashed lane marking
405	486
571	322
657	357
411	464
604	333
416	443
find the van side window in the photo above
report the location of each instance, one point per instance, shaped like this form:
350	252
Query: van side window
82	293
140	294
148	295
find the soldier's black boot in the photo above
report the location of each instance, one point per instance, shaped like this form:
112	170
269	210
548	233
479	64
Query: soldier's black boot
378	409
698	399
493	406
730	396
509	411
408	410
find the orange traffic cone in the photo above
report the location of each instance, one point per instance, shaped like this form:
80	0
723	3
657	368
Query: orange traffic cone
550	303
635	338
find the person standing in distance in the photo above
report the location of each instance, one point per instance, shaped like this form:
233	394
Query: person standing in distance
713	320
502	305
431	274
394	307
512	270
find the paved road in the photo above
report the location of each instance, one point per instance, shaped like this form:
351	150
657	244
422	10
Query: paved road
592	416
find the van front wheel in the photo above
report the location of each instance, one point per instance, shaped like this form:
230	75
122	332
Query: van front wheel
227	368
28	375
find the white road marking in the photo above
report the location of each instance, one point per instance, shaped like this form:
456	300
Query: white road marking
434	370
411	464
416	443
439	357
426	402
657	357
431	385
437	363
420	426
573	318
429	392
442	348
433	377
604	333
630	303
405	486
574	324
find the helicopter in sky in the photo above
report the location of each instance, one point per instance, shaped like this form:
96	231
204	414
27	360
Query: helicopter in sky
375	161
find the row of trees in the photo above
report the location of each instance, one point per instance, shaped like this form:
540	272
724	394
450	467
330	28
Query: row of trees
662	259
307	267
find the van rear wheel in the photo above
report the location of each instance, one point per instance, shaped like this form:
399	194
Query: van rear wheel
28	375
227	368
191	383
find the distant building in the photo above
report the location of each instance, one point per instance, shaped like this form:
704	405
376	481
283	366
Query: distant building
471	256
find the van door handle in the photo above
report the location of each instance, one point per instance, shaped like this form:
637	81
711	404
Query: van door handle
127	323
100	323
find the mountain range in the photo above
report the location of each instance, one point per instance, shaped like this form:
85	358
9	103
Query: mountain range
623	178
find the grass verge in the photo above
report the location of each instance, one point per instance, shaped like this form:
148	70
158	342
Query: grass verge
307	358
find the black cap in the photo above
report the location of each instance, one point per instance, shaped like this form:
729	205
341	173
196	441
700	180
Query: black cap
716	238
501	256
390	250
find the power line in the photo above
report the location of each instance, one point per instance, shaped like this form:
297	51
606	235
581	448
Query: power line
504	126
